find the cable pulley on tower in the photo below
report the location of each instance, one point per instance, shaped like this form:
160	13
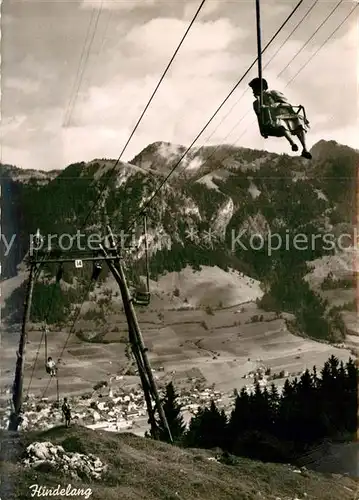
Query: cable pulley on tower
276	116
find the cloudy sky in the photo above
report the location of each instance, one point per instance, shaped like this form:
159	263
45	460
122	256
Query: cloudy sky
76	75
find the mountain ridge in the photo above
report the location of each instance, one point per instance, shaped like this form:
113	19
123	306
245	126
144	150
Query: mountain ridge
236	190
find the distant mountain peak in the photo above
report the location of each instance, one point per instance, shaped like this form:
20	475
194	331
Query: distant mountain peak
326	149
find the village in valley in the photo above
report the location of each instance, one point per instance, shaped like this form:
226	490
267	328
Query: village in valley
119	404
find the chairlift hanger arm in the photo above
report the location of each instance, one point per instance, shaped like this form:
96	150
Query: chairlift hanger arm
259	53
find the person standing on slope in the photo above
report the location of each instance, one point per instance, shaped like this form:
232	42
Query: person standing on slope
66	411
277	117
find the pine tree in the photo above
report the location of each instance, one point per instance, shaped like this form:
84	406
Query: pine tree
269	426
207	428
240	420
274	402
172	411
308	421
218	421
260	410
350	397
326	391
193	436
286	412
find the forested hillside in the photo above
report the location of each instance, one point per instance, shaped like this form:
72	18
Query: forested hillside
229	191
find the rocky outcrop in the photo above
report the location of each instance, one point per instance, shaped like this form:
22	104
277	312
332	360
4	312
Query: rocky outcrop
77	465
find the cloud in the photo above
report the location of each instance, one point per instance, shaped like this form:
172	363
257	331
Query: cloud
41	143
7	20
20	157
25	85
118	4
175	115
187	7
319	86
124	96
8	125
105	115
209	8
159	36
127	59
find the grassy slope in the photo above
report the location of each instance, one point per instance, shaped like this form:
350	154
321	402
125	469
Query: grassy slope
143	469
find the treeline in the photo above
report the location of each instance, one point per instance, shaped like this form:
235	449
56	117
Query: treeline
271	426
190	254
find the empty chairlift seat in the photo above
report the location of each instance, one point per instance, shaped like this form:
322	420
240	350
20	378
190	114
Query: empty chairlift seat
141	298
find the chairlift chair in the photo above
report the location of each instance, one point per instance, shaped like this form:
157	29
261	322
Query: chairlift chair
141	298
45	329
268	122
47	368
268	114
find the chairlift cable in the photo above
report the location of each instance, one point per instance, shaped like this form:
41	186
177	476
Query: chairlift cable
44	331
186	152
144	111
307	62
259	54
134	130
290	81
78	312
215	113
124	148
147	204
80	66
246	90
34	363
79	75
146	254
322	45
315	32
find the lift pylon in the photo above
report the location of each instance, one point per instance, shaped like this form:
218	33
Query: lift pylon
113	260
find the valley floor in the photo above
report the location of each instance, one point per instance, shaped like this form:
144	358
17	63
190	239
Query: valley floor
220	348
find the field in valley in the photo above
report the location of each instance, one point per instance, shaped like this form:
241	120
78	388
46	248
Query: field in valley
186	334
